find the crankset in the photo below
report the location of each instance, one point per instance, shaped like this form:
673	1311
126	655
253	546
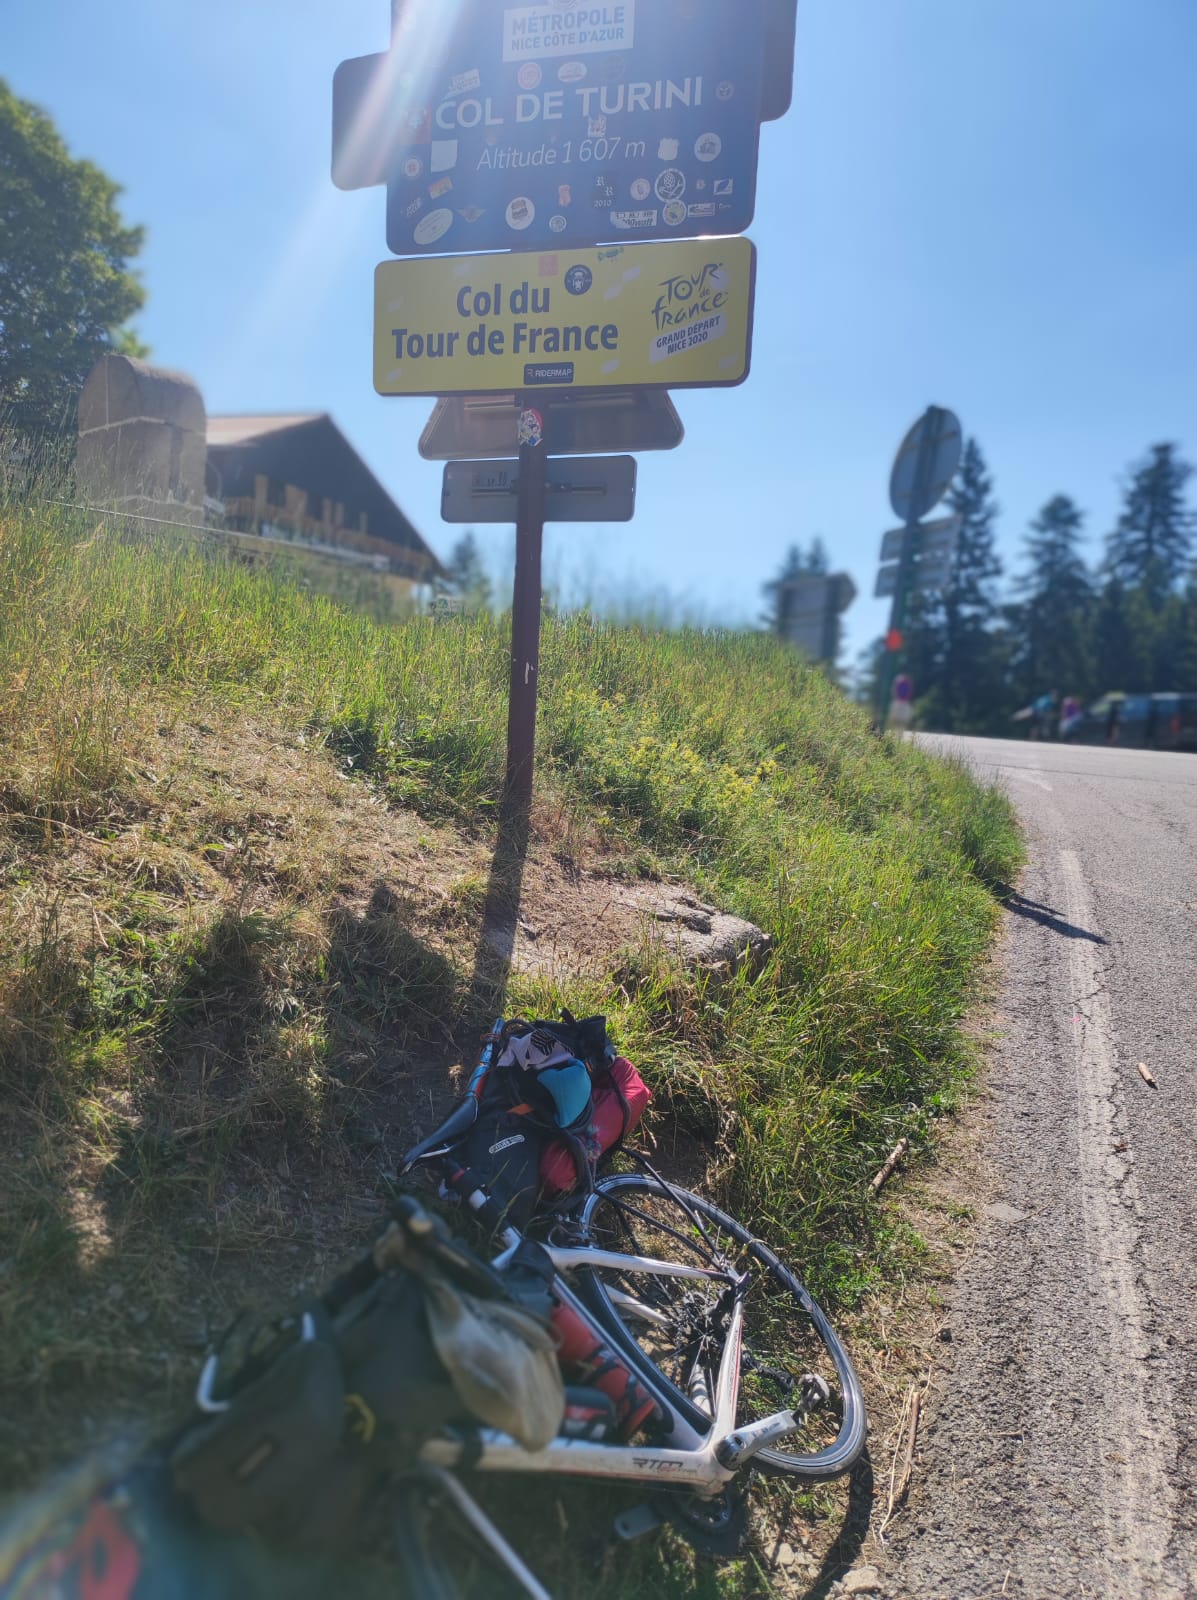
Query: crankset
714	1527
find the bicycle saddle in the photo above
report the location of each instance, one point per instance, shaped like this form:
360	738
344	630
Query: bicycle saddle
454	1128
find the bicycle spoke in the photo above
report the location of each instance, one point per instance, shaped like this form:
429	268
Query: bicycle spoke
787	1362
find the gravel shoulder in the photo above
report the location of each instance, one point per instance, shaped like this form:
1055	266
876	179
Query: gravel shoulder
1059	1451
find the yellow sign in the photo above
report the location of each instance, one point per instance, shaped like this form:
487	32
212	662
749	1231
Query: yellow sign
674	315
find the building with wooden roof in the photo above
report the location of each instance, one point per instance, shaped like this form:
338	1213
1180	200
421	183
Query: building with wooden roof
298	479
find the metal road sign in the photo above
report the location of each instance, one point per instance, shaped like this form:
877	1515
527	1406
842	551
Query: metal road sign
599	423
777	88
925	576
676	315
813	594
909	498
810	608
526	126
814	635
932	538
577	489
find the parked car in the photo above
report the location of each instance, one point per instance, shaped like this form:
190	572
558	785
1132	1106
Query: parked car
1147	721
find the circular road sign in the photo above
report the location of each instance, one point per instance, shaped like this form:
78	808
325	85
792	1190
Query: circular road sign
935	436
903	687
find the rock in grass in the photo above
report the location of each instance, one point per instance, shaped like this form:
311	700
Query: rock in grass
704	936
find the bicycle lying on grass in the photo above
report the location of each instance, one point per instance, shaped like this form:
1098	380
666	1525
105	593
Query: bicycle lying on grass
692	1357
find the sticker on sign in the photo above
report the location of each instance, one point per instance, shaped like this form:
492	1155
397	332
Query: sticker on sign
531	32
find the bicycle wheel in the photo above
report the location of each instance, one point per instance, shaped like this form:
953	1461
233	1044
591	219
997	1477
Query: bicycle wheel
677	1326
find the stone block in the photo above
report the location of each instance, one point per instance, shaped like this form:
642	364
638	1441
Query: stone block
142	441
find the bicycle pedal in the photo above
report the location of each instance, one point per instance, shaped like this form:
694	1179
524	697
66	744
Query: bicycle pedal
816	1391
636	1522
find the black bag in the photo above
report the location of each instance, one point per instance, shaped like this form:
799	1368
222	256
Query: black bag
300	1446
324	1403
517	1114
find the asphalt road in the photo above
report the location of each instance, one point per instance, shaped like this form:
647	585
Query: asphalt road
1059	1451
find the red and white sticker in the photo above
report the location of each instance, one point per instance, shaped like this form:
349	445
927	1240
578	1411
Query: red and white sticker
531	430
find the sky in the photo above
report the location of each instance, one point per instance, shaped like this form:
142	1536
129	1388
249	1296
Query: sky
981	204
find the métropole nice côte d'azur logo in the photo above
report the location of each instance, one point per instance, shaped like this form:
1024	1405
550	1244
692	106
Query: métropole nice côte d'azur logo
690	310
556	30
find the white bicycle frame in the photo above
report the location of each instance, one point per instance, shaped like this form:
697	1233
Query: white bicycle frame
703	1463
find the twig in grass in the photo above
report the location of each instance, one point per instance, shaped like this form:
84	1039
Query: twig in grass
895	1155
908	1428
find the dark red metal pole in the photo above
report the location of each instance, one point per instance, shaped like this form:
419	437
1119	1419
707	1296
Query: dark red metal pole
525	618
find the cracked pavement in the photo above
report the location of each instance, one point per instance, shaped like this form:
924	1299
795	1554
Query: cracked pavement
1059	1452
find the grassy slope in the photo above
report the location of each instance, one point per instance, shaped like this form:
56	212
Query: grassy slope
716	758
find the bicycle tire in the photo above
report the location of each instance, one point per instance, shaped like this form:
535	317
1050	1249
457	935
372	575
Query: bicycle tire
657	1219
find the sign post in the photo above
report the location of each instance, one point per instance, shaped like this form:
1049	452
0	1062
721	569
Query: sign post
923	469
575	179
525	619
810	608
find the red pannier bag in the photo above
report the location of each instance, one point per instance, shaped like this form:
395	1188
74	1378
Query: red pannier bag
619	1096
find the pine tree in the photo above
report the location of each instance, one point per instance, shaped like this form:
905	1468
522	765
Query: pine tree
1152	544
954	651
466	575
1122	638
1051	626
1186	672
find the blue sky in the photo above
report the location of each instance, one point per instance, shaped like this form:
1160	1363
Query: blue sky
987	204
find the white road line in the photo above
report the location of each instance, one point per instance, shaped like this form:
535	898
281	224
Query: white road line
1137	1439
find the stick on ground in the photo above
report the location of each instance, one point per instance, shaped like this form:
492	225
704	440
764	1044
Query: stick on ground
895	1155
902	1466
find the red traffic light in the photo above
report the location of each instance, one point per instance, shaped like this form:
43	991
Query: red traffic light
893	640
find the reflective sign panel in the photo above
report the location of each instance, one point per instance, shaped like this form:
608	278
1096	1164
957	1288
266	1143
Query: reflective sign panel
676	316
522	126
577	489
574	424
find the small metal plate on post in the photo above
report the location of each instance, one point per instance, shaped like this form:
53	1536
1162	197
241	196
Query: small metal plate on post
608	422
925	575
932	538
577	489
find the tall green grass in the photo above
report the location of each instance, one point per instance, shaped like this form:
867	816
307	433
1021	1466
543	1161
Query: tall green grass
711	756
